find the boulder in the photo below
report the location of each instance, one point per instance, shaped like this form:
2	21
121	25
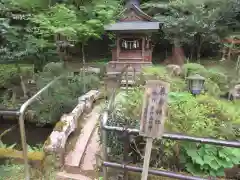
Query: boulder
174	70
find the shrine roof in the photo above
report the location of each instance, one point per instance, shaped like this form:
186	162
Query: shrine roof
133	26
134	19
139	11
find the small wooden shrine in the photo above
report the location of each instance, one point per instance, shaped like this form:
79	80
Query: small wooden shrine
133	44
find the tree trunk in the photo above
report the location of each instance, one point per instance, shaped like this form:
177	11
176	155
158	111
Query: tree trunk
199	48
224	52
49	3
14	97
23	86
198	53
200	41
83	68
230	51
191	52
178	54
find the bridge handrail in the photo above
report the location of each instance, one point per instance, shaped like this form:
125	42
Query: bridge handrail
22	126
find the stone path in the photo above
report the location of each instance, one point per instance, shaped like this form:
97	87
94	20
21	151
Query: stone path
67	176
81	161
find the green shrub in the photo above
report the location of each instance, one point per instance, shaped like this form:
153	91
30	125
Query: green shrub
129	104
160	73
11	171
193	68
212	88
62	96
203	116
54	68
9	74
216	82
178	84
219	78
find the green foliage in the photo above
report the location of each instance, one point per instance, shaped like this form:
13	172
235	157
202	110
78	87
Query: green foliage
28	27
11	171
160	73
125	104
62	96
37	148
195	23
194	68
18	42
216	82
9	74
73	23
53	70
2	145
209	159
202	116
219	78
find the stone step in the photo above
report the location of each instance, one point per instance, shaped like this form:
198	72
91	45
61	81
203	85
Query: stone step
130	73
130	82
125	88
74	158
68	176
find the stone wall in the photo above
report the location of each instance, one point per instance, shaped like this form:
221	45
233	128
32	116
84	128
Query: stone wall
55	144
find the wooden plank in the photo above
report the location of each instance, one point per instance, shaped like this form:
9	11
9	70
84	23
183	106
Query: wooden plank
74	157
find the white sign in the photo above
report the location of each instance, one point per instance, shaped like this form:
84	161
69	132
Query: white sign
154	109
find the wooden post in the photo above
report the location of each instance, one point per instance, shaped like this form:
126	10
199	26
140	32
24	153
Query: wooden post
143	48
127	79
118	48
153	117
230	49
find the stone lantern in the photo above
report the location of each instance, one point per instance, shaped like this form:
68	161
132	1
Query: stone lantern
195	84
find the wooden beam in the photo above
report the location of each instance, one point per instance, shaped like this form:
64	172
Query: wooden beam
118	48
143	48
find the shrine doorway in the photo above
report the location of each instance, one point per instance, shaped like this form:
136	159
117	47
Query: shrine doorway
130	48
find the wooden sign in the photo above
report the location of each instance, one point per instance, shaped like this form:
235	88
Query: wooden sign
154	109
153	117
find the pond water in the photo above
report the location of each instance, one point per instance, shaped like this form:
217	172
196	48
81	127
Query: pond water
35	135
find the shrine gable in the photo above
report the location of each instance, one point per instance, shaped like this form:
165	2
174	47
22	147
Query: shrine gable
132	16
